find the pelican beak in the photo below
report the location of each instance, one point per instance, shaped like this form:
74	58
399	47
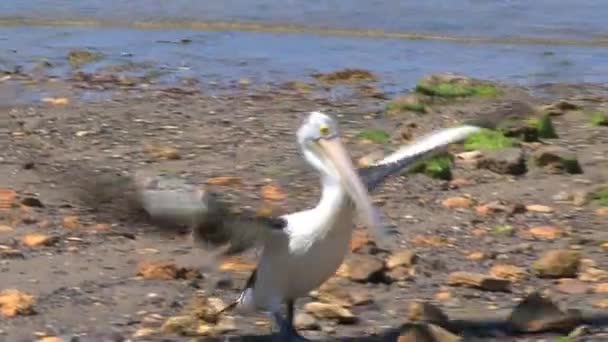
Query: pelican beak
336	154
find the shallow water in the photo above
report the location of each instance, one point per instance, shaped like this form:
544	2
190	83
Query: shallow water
584	18
224	57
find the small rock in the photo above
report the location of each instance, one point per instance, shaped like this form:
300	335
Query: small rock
603	212
205	308
362	268
360	239
479	232
337	291
536	314
427	312
331	312
273	192
581	197
461	182
165	271
562	196
426	333
185	325
557	159
443	296
57	101
32	202
101	227
508	161
399	273
6	229
14	302
457	202
538	208
592	274
304	321
81	134
10	253
476	256
559	108
404	258
144	332
225	181
602	304
163	152
469	155
572	286
490	208
224	326
510	272
601	288
71	222
8	198
546	232
579	332
557	264
50	339
429	241
237	265
480	281
39	240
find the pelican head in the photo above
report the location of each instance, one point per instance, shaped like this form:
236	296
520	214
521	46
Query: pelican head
320	143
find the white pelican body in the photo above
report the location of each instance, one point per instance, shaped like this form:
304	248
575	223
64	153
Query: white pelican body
310	252
302	250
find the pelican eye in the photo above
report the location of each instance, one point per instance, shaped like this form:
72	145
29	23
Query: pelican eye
324	129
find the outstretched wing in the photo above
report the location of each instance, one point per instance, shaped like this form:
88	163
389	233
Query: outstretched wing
424	148
409	155
214	220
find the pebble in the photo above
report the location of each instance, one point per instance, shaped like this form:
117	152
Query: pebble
510	272
478	280
457	202
331	312
304	321
558	264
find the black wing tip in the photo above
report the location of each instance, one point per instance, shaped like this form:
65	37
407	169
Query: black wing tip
234	230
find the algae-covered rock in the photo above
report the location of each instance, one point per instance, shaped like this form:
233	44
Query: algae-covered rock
456	86
599	119
601	195
439	167
407	103
78	58
555	159
488	140
544	127
377	136
346	76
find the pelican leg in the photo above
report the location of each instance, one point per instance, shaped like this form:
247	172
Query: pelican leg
287	330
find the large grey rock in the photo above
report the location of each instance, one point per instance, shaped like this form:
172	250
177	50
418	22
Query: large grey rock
555	159
506	161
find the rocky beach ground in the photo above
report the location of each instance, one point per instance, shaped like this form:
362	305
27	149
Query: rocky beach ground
517	215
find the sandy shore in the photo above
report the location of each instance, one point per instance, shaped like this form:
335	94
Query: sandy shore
84	268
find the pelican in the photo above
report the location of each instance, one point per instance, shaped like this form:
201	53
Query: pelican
301	250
